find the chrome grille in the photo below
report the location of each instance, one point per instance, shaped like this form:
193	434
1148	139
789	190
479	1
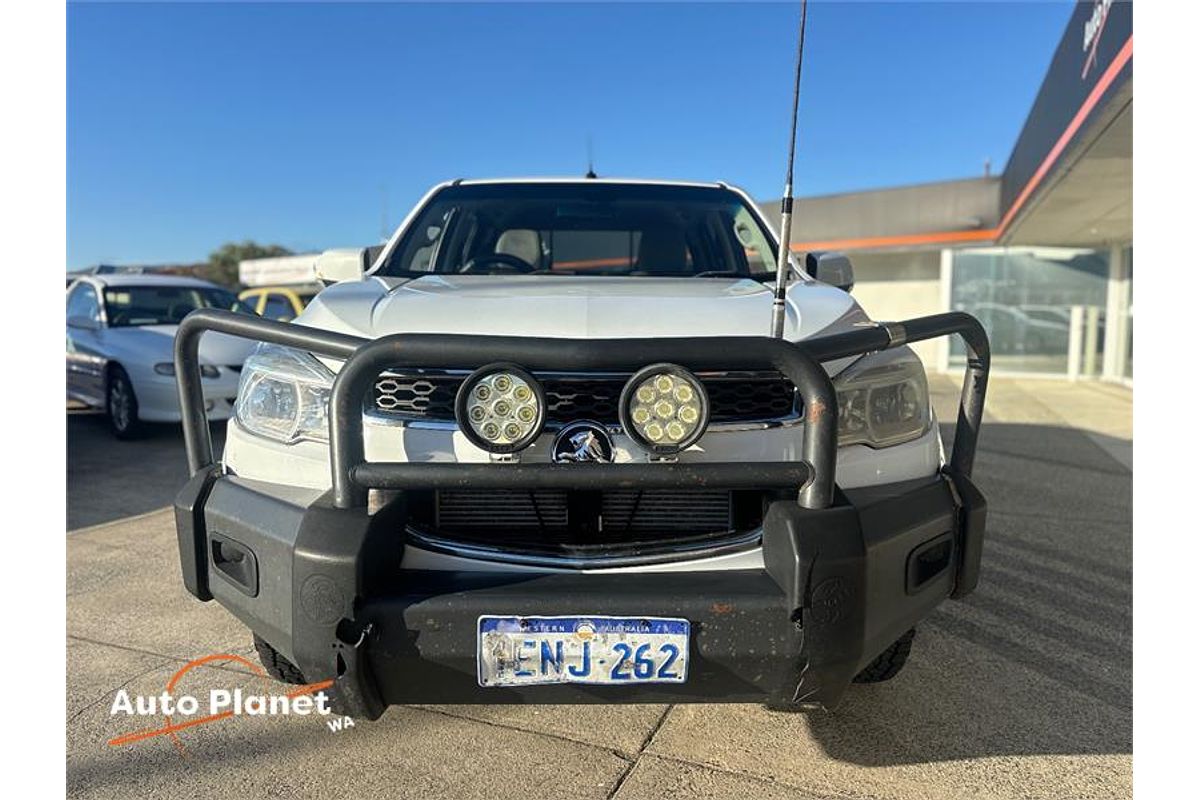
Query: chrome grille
415	396
732	397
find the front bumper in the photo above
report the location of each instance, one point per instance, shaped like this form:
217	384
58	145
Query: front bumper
324	586
318	575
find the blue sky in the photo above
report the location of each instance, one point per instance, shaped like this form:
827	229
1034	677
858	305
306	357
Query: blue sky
191	125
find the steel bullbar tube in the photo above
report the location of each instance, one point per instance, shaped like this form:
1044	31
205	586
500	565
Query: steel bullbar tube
197	438
894	334
454	351
366	359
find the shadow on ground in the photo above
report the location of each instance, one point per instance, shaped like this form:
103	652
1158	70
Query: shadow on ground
108	479
1039	659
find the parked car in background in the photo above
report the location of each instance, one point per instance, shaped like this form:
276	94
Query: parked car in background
1014	329
283	303
120	333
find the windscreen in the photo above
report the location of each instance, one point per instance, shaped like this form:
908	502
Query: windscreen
127	306
585	229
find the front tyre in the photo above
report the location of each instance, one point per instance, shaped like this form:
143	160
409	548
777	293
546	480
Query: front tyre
886	666
276	665
121	405
888	663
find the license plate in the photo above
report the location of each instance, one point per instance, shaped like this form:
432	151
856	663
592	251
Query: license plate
522	651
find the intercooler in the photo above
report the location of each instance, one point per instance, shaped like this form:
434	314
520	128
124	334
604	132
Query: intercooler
612	512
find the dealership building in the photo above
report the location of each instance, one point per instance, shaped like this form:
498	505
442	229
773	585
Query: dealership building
1042	253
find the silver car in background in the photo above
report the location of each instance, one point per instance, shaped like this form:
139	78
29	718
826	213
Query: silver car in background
120	333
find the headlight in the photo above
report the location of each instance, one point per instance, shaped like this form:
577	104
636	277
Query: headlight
664	408
500	408
167	368
284	395
883	400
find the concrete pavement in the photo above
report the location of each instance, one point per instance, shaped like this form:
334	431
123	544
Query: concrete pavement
1022	690
109	480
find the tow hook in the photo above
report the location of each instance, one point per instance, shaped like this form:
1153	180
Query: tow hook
354	692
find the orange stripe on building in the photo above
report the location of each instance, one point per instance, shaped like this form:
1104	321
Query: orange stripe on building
1106	80
907	239
992	234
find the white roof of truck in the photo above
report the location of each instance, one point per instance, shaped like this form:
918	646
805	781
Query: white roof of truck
279	270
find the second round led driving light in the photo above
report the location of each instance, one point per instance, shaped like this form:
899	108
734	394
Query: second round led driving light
664	408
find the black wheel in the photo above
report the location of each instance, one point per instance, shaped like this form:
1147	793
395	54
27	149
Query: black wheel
275	664
888	663
121	405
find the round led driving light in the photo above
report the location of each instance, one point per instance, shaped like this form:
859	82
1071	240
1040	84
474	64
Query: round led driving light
500	408
664	408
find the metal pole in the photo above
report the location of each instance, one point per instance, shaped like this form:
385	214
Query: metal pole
1075	343
1091	339
783	265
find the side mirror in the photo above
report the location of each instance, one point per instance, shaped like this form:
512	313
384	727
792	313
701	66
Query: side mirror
345	264
83	323
834	269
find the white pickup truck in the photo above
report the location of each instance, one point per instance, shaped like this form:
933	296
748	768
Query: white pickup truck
540	449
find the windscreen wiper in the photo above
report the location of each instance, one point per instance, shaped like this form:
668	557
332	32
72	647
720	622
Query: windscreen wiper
718	273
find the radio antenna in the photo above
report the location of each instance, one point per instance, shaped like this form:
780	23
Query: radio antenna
591	173
785	209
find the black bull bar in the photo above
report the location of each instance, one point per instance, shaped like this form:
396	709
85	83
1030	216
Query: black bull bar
352	476
833	593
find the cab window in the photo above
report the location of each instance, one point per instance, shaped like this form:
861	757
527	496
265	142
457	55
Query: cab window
278	307
585	229
759	254
252	299
83	302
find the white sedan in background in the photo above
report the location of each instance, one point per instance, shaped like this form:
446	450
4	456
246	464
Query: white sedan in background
120	337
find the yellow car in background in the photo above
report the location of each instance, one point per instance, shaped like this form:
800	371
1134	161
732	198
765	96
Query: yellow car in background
278	302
